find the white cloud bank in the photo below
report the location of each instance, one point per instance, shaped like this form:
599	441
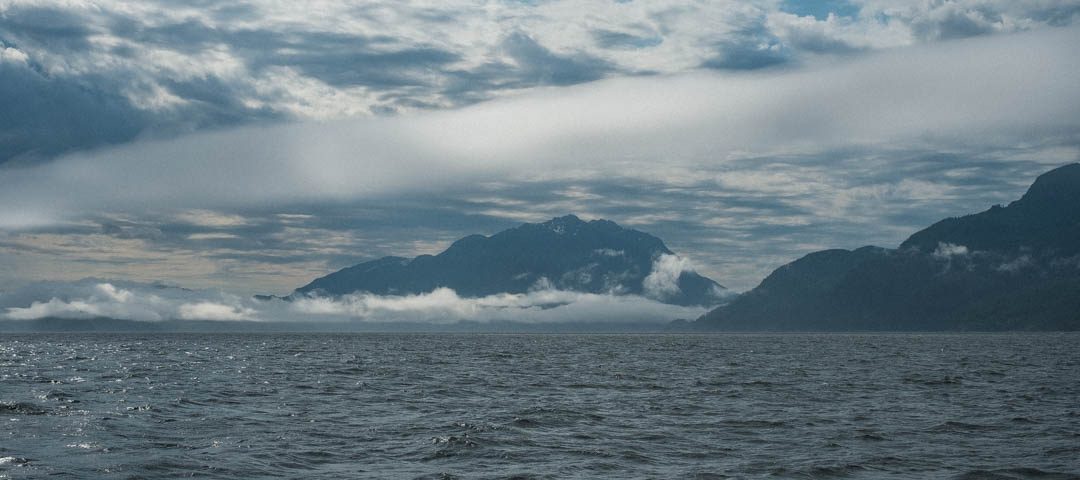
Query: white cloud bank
946	250
663	280
443	305
1003	88
91	299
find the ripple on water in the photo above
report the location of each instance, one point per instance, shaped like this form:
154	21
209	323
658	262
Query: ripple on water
21	408
540	406
1015	474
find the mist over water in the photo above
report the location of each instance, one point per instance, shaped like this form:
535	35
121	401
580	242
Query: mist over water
539	406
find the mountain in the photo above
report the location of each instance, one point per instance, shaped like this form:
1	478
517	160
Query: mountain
1046	219
565	253
1015	267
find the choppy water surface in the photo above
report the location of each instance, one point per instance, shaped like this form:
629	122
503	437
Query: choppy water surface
558	406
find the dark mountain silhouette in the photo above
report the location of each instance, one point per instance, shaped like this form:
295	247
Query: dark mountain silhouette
564	253
1046	219
1008	268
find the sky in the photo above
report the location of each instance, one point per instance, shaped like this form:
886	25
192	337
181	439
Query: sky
251	146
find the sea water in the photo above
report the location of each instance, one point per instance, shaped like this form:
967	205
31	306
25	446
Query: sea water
539	406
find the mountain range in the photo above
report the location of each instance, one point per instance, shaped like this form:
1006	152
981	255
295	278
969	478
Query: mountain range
564	253
1014	267
1009	268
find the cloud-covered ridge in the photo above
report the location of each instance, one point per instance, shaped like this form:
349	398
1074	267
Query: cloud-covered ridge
95	299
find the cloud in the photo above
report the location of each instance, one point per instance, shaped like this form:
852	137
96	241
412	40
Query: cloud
738	219
929	21
741	171
215	311
538	65
755	47
211	236
948	250
206	218
831	35
975	91
127	300
1017	264
78	75
663	280
443	305
608	252
93	298
46	115
102	300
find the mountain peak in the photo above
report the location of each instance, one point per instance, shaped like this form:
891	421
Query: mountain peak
1043	220
565	219
572	226
564	223
1059	187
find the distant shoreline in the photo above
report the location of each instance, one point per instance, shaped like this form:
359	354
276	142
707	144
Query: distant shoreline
118	326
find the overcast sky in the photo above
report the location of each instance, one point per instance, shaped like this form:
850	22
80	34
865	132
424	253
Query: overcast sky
251	146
